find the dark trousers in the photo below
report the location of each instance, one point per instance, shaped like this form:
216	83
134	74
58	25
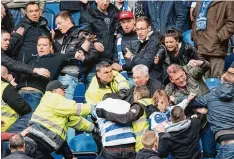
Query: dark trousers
118	153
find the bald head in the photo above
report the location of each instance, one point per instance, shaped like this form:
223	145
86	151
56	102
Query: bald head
4	71
17	143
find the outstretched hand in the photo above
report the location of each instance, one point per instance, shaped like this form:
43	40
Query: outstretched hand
90	37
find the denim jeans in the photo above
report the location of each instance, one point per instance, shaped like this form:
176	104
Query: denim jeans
208	142
90	76
72	83
33	99
226	151
128	154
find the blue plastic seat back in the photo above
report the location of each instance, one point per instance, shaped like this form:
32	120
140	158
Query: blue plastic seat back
79	94
50	16
212	82
83	142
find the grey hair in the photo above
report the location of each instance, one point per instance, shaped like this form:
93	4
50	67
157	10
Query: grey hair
101	65
16	142
144	70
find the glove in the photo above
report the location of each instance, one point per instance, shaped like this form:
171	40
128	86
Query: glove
101	113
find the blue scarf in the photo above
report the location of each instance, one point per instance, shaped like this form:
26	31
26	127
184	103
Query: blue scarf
119	51
202	15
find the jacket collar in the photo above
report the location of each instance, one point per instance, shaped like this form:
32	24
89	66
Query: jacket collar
178	126
69	31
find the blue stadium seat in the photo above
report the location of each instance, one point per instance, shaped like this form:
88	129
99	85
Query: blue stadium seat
228	61
79	94
50	16
212	82
84	146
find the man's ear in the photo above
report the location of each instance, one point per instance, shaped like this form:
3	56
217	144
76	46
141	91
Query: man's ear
149	28
171	79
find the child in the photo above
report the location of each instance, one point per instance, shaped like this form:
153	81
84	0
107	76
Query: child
163	108
150	142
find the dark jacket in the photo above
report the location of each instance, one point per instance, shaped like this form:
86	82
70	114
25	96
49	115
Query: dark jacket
220	27
167	14
14	100
15	66
147	154
52	62
181	139
145	54
18	155
28	44
72	43
152	85
105	32
220	104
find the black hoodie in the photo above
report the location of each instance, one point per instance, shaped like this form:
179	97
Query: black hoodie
147	154
181	139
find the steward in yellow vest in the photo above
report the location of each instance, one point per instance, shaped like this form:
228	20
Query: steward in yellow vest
12	105
136	115
53	116
105	81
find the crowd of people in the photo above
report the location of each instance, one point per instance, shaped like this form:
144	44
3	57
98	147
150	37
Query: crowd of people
144	65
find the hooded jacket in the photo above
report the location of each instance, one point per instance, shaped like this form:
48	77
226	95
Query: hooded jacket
104	26
147	154
181	139
220	104
28	44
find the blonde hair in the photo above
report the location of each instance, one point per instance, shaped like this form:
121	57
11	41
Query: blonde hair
149	139
160	93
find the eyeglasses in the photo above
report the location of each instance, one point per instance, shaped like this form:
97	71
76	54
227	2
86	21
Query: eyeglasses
142	28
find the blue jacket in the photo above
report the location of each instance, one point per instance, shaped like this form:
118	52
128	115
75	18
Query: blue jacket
167	14
220	104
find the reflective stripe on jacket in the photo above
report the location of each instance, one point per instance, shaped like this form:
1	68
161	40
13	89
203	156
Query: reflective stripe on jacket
141	125
56	113
8	115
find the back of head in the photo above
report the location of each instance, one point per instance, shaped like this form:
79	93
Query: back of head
149	140
17	143
142	91
177	114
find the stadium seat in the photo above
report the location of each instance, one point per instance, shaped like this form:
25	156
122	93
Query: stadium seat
228	60
84	146
50	16
212	82
79	94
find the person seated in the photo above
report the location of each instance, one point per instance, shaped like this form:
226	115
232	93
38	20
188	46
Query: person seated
181	138
150	143
105	81
13	105
161	102
135	116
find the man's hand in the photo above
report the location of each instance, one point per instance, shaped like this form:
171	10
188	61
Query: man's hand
42	72
191	13
26	131
115	66
202	110
100	112
195	63
194	116
90	37
99	46
80	55
160	128
191	96
20	31
172	98
231	70
156	59
13	83
128	54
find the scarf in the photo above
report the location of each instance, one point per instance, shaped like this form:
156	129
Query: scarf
202	15
119	51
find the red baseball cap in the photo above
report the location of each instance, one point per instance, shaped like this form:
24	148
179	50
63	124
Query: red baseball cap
126	15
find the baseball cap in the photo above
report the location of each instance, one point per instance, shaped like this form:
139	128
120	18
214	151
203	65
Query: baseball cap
126	15
55	85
